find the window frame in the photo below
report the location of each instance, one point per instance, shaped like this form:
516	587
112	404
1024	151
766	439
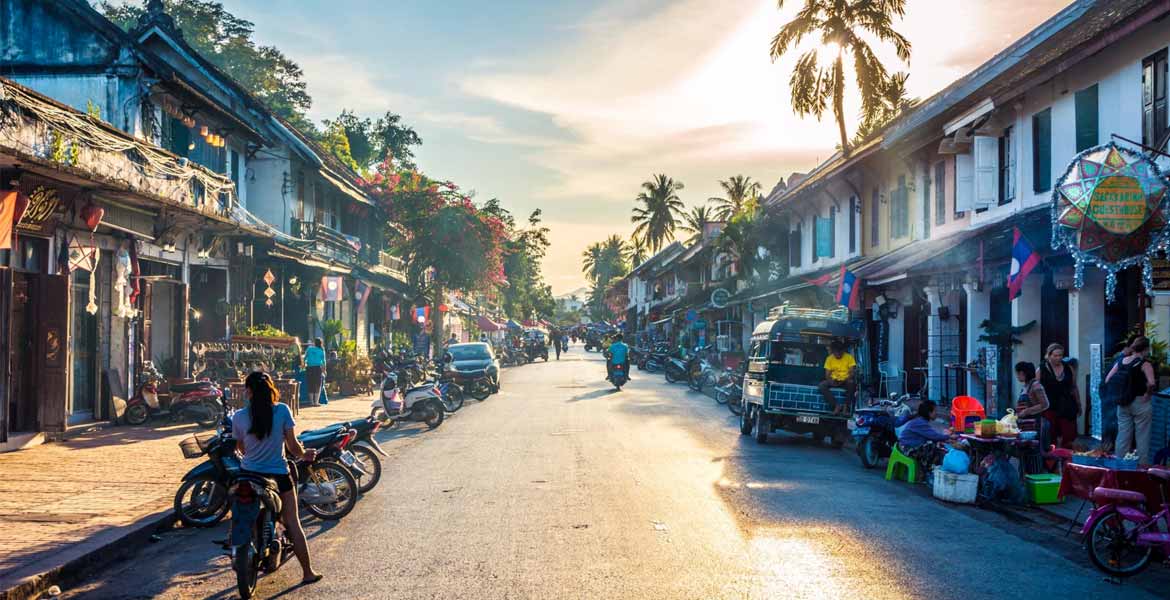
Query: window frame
1156	66
940	192
1007	164
875	225
1042	161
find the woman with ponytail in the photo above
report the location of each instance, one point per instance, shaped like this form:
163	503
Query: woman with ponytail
264	431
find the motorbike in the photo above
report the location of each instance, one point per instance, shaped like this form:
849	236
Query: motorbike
422	403
677	369
365	449
258	541
874	429
729	389
201	401
701	372
201	500
1121	534
619	376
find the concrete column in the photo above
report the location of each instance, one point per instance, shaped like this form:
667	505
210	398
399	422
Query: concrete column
1086	325
1025	309
978	310
933	340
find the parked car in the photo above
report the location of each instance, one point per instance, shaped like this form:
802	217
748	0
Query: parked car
474	367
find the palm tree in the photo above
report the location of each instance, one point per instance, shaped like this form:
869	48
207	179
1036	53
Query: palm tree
594	261
895	100
736	190
655	219
696	221
636	251
613	252
839	25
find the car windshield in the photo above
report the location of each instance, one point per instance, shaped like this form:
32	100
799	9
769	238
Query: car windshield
470	352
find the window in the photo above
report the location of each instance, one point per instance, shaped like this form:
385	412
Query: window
1087	111
794	245
875	210
814	255
1007	169
940	193
832	231
926	202
853	209
1154	98
1042	150
900	210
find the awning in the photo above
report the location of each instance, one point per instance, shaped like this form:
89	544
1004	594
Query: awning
486	324
346	187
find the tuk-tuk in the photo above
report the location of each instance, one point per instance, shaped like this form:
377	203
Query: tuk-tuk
786	365
536	344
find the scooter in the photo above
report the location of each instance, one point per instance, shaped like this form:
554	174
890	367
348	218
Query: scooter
421	403
676	369
201	401
874	429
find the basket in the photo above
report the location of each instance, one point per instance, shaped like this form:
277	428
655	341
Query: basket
1088	461
960	488
196	445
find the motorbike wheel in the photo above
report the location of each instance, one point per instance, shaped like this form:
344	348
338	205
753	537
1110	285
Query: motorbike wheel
670	377
721	396
453	399
481	391
246	569
735	405
207	504
745	421
336	474
209	414
1112	546
438	413
137	414
868	452
372	466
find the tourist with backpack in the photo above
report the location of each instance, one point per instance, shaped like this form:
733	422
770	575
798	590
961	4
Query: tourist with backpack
1129	384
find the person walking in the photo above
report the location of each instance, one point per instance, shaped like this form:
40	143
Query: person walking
1060	384
1135	411
315	370
264	432
556	339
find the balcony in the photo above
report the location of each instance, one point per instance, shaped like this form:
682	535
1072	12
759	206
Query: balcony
395	265
328	242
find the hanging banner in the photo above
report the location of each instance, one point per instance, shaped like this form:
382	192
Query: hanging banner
46	204
1110	210
361	292
331	288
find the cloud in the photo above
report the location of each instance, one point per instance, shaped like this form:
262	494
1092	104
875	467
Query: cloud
486	129
338	82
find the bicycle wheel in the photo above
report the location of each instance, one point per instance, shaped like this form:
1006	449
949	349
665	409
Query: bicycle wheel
1112	545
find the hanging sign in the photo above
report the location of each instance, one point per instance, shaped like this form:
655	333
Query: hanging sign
720	297
1160	274
1110	210
44	210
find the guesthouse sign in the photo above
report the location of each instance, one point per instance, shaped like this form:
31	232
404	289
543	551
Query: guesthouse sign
43	213
1110	210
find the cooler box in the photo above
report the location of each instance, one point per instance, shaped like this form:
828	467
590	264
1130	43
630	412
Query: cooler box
1043	488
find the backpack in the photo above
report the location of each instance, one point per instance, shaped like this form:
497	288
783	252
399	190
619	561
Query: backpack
1127	383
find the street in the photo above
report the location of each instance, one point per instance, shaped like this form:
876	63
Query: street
560	488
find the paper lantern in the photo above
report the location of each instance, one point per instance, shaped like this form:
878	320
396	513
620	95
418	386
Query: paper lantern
443	308
92	215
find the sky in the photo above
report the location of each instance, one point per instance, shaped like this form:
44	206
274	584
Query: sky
569	105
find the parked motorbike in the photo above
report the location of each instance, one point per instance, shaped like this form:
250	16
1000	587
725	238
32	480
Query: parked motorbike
201	401
201	500
1121	534
365	449
420	403
701	372
874	429
729	389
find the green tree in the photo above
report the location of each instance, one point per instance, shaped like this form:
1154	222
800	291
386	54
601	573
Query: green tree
226	41
604	262
526	295
334	141
373	141
696	221
737	189
839	26
636	251
655	219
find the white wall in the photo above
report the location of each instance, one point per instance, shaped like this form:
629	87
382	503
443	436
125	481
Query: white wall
819	206
269	197
114	96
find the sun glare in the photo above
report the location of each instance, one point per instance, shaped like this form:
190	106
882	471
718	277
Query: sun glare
827	53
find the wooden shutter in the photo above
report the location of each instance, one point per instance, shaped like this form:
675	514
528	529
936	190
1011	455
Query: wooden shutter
1087	118
832	231
926	200
940	193
1042	148
5	350
144	349
183	329
964	182
853	200
986	171
52	360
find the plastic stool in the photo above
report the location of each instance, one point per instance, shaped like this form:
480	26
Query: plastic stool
900	463
964	410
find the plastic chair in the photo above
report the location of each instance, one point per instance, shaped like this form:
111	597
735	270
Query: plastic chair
964	410
901	466
889	376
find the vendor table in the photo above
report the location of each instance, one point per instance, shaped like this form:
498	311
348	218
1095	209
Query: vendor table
1079	481
1028	451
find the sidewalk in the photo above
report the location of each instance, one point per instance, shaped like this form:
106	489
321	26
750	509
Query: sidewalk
61	503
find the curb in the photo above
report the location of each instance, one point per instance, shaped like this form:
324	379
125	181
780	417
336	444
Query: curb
78	561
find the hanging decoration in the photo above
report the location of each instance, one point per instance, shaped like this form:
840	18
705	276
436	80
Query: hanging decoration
269	279
1110	210
92	215
121	286
85	255
331	288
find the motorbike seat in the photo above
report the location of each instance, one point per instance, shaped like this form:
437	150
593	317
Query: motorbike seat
190	387
425	386
321	437
1162	474
1103	493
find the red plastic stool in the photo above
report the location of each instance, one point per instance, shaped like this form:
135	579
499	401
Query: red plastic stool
965	411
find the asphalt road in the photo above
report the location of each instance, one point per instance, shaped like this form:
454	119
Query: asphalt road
560	488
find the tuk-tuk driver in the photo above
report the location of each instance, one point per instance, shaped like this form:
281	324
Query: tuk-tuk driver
840	372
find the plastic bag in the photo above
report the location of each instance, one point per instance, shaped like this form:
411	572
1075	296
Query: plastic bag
956	461
1009	423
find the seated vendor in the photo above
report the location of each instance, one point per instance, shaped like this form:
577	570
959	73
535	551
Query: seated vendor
918	438
840	372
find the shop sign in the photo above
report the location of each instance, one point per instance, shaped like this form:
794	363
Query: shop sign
692	315
1160	275
1110	210
44	211
720	297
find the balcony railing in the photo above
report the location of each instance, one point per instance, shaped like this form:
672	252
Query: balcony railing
393	263
329	242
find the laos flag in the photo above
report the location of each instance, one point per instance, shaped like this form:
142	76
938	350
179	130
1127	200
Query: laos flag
849	292
1024	259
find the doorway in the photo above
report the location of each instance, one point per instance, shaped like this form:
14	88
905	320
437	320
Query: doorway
22	399
83	400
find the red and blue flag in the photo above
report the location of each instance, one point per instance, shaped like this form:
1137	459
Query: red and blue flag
849	291
1024	259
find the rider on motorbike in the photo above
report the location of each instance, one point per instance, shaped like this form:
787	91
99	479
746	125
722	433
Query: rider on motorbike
618	352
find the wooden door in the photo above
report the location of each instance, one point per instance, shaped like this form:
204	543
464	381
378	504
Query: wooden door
147	297
183	329
914	345
52	331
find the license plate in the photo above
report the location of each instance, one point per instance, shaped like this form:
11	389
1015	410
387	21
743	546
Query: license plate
861	431
809	420
348	459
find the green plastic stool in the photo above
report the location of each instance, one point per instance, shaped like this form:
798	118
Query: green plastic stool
900	463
